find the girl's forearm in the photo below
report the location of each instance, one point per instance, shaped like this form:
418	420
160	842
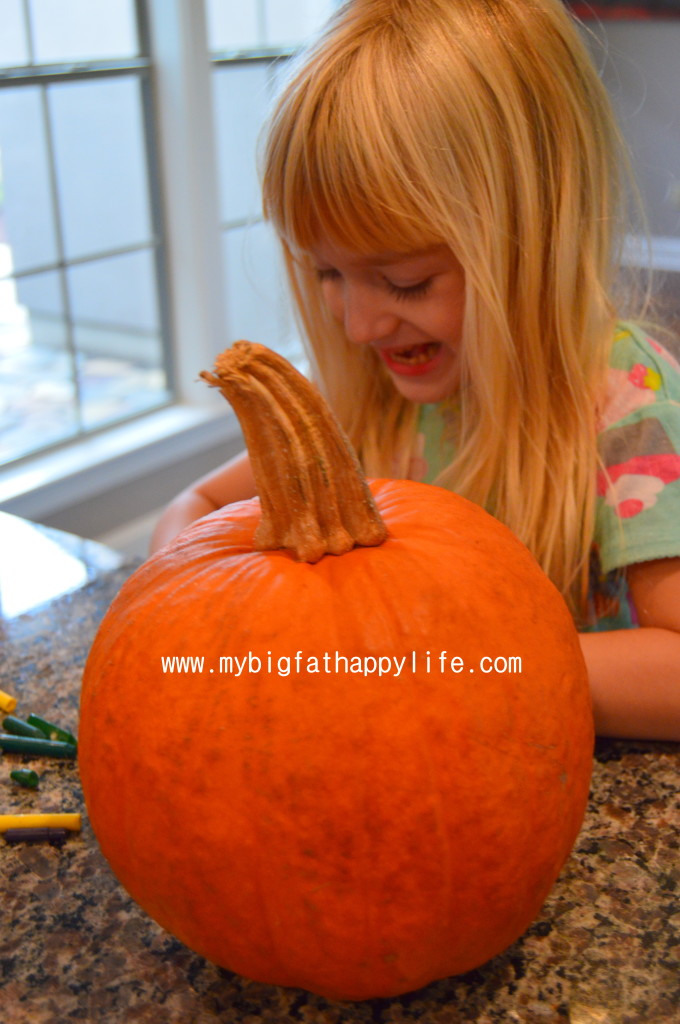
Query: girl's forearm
635	682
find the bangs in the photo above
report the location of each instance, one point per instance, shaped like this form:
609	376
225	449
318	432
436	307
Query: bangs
337	166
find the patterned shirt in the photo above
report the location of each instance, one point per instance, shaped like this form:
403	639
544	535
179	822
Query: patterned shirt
637	515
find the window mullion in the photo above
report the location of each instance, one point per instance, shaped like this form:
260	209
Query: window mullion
187	154
69	327
28	27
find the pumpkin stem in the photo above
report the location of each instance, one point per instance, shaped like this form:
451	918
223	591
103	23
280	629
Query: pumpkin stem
313	493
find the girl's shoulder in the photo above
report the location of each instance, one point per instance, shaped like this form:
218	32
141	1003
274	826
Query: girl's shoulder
638	481
642	373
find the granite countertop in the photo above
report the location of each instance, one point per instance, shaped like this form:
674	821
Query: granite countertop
73	947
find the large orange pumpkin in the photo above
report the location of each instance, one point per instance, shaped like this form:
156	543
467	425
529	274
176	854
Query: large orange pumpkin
379	782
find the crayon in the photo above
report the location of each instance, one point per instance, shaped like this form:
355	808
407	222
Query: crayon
31	745
55	836
72	822
7	702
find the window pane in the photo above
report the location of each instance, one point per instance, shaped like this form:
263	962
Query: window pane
233	26
256	296
240	104
37	391
100	165
290	24
26	214
117	337
13	42
80	333
67	30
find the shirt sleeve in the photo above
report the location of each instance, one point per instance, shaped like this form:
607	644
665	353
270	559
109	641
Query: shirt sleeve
638	486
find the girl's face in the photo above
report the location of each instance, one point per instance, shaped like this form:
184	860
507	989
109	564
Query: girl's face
409	309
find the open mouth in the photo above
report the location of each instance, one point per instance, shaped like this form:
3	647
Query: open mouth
414	355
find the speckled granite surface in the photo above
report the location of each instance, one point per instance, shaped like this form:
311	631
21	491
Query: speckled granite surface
74	948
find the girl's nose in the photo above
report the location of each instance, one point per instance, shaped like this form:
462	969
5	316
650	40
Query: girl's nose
366	315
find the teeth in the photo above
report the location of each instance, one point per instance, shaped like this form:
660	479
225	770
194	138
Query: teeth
415	354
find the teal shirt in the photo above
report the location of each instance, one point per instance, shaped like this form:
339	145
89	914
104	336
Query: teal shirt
637	515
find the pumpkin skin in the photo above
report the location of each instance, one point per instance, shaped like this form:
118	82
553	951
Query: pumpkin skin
354	835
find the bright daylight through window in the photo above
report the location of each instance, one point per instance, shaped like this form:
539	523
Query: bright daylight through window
85	289
81	342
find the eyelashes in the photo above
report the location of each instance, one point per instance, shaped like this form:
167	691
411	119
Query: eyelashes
411	291
327	275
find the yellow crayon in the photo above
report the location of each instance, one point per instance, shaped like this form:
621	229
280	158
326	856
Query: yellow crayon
69	821
7	702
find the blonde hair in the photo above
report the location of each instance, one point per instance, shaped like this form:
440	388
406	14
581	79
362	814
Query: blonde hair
481	125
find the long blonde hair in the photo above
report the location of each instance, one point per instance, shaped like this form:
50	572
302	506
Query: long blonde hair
481	125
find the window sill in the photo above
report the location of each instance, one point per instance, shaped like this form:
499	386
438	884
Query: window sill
45	488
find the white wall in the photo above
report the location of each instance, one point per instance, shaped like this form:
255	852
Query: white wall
640	65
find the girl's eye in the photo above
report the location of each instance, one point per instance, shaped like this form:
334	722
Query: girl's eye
400	291
327	274
411	291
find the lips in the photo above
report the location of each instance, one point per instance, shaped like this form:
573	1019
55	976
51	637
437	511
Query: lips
412	360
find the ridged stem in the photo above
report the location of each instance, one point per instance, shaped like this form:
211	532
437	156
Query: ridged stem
313	493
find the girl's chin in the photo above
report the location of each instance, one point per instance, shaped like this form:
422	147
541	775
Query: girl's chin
424	393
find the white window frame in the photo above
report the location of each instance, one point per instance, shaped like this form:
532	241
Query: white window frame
53	487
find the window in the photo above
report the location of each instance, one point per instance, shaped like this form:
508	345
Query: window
111	202
82	339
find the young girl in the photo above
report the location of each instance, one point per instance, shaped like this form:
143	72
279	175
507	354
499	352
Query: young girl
444	178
